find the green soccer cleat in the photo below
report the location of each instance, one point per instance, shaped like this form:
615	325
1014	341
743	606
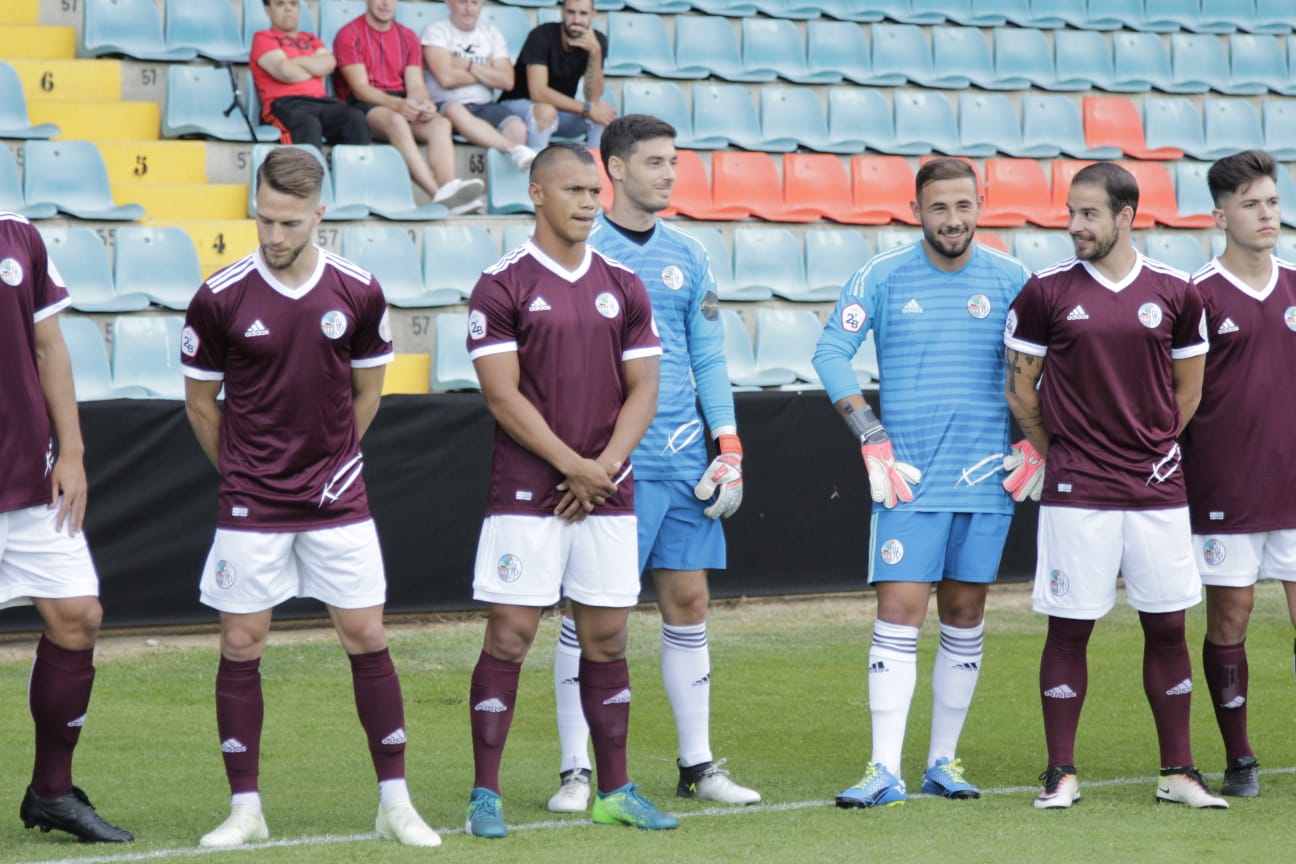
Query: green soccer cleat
625	806
485	814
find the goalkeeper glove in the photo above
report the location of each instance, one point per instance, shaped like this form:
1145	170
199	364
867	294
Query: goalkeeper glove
1025	469
724	473
889	480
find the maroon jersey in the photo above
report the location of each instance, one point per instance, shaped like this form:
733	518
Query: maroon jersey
573	332
1238	460
32	291
1107	393
289	450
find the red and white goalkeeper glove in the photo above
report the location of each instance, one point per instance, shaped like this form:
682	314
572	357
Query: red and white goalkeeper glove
889	480
1025	469
724	473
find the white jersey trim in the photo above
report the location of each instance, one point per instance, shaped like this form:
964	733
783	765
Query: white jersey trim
1025	347
508	260
201	374
1189	351
371	362
280	288
497	348
1215	267
53	309
1061	266
637	353
557	269
348	266
1124	282
231	274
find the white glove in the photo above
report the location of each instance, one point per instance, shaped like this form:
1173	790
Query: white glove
724	473
1025	469
889	480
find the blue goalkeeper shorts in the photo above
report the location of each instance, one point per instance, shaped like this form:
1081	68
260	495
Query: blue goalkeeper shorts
674	533
916	546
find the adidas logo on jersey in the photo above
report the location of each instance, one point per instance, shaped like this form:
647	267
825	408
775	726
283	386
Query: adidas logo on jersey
77	723
877	666
538	305
233	745
1227	327
622	698
911	308
1078	314
491	706
397	737
1183	688
1062	691
1235	702
256	329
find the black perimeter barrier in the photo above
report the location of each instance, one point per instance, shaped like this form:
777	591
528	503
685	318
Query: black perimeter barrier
803	527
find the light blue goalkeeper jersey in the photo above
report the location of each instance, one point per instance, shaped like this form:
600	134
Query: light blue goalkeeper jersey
941	367
686	308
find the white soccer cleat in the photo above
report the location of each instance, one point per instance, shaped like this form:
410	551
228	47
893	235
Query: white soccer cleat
1186	786
707	782
402	823
244	825
1061	788
573	795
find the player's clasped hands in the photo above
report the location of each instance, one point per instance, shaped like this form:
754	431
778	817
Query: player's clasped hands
587	486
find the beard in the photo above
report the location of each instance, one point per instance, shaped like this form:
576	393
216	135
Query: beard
948	247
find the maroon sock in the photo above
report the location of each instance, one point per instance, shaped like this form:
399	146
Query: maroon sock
1225	667
1064	680
382	711
1167	681
58	695
605	698
491	699
239	715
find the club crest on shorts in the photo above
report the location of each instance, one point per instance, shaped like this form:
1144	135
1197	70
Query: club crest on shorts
1290	317
224	574
978	306
607	305
892	551
334	324
1149	315
1059	585
509	567
1213	552
673	278
11	271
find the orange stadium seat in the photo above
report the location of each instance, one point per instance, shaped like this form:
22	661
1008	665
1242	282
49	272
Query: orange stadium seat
818	181
882	187
692	193
1016	192
1060	176
1157	200
751	180
994	241
1115	121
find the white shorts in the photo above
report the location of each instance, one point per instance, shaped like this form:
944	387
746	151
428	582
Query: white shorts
1082	551
1240	560
38	561
534	560
251	571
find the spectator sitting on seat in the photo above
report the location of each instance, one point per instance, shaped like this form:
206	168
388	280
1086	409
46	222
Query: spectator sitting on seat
467	60
380	71
554	58
288	69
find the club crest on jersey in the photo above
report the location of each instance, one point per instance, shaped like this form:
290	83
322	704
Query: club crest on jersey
607	305
476	325
509	567
711	306
334	324
11	271
224	574
189	341
978	306
853	318
1213	552
1010	323
1059	585
1290	317
1149	315
892	551
673	278
384	327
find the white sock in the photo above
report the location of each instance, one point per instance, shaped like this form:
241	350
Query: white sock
250	800
954	680
573	733
893	671
686	675
393	792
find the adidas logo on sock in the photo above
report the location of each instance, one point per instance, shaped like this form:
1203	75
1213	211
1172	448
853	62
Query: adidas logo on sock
571	682
703	681
233	745
1078	314
1235	702
911	308
257	329
1227	327
397	737
538	305
1062	691
622	698
491	706
1183	688
969	666
877	666
77	723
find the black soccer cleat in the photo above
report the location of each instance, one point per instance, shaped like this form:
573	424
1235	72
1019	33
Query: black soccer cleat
1240	778
72	813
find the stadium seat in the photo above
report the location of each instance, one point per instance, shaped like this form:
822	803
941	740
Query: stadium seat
408	374
1287	196
515	235
1231	125
1258	61
725	8
819	182
915	11
1140	62
882	188
741	361
511	21
211	29
196	100
769	43
1016	192
1061	172
1115	14
1198	63
859	11
865	363
1157	199
159	262
751	180
1039	250
1217	16
1085	55
785	342
927	117
72	176
1174	121
861	116
375	176
990	120
658	7
335	13
332	211
1114	123
451	367
1192	193
11	191
721	259
708	43
842	47
1271	16
1024	57
1027	14
417	16
1279	121
389	254
795	115
1286	248
82	261
832	257
895	237
132	28
966	12
146	354
665	99
91	374
454	256
1182	250
902	49
691	195
727	110
768	261
965	50
255	18
1053	120
639	43
14	122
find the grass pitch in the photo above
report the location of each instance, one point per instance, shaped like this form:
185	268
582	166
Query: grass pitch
790	711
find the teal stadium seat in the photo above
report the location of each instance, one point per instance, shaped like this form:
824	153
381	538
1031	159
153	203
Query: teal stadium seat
708	43
1279	120
334	13
927	117
726	8
1271	16
990	120
904	11
1191	189
768	261
965	51
1287	196
795	114
727	111
454	256
388	253
857	114
1257	64
1286	248
1068	12
255	18
211	29
14	121
1025	54
894	237
785	340
741	360
966	12
639	43
375	176
770	43
1173	121
132	28
72	176
82	261
516	235
717	249
1023	13
1119	15
1085	54
665	99
91	374
1200	59
12	199
1140	59
659	7
903	49
506	186
417	16
1055	120
1039	250
859	11
1219	16
511	21
832	257
159	262
146	354
842	47
1181	250
1232	125
451	367
332	211
799	9
196	99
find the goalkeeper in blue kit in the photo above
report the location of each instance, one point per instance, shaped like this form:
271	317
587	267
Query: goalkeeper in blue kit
680	496
936	309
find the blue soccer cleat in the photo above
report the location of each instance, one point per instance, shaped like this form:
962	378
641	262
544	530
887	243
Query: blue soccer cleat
877	788
625	806
485	814
945	778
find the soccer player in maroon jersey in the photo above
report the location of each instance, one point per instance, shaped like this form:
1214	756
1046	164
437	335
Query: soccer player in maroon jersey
298	337
566	349
44	560
1120	343
1238	463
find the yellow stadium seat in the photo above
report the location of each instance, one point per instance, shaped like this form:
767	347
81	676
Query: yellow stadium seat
20	12
60	80
100	121
155	162
170	202
408	373
33	40
220	242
